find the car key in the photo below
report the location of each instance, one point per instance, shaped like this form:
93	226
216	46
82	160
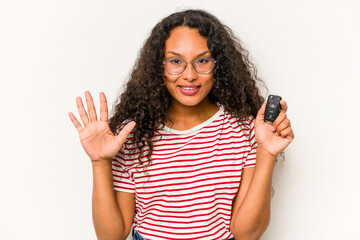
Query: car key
272	108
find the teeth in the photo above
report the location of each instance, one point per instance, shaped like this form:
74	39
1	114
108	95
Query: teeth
187	88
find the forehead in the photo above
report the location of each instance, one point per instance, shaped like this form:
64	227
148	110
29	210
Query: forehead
186	41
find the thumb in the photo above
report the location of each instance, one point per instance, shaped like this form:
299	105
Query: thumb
124	133
261	114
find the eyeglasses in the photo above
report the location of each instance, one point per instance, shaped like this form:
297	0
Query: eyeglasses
175	66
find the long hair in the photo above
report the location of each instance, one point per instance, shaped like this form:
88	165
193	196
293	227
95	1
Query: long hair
145	98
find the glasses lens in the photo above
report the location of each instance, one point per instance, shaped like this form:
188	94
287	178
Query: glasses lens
203	65
175	66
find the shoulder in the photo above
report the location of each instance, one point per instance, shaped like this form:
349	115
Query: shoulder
242	122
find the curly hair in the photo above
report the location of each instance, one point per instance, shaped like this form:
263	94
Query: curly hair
145	98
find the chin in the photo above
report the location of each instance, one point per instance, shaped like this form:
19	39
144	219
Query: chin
190	103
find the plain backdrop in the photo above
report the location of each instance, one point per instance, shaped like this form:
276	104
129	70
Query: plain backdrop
52	51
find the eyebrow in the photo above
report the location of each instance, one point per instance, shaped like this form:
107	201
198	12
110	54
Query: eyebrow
178	54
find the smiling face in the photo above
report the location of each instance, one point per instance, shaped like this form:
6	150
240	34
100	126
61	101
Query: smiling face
188	88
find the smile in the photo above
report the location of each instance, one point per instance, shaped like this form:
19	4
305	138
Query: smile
189	90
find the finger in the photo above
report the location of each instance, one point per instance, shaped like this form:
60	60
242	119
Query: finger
283	105
261	113
282	116
121	138
75	122
103	108
283	125
82	112
90	106
287	133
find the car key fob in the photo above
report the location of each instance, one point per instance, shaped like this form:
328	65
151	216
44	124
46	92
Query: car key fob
272	108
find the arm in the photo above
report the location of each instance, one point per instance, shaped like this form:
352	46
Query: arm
251	207
112	210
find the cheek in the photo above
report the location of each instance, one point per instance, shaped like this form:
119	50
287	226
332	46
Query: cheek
209	87
170	78
170	84
210	82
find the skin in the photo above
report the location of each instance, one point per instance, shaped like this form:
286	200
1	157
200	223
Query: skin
251	207
113	210
188	111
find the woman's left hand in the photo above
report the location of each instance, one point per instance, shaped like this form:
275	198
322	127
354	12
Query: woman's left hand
273	138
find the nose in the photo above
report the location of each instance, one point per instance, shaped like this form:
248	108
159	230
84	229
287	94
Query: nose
189	73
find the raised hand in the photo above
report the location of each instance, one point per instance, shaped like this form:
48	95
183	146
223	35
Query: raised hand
275	137
99	143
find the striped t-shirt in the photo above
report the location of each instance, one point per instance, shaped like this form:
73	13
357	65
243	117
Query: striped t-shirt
188	189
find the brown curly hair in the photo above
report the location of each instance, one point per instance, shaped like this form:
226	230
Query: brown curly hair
145	98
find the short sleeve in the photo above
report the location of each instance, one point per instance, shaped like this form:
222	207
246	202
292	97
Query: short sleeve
250	159
121	176
121	165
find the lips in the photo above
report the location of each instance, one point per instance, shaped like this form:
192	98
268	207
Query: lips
189	89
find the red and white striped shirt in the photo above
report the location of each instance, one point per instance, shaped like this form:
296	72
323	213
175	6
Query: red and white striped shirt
187	191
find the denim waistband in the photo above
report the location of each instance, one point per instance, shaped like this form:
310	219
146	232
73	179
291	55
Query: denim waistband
137	236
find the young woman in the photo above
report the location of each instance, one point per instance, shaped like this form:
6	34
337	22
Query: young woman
177	158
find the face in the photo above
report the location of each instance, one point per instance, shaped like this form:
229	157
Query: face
188	88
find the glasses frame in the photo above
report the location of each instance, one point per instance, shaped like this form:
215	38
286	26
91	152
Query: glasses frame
192	63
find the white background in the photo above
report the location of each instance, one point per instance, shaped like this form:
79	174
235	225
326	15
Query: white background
52	51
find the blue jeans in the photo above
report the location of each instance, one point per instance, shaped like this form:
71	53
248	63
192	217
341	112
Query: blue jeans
136	236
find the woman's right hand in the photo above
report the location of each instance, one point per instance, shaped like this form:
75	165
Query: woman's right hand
98	141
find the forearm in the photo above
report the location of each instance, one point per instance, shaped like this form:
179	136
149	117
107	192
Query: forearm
107	219
253	215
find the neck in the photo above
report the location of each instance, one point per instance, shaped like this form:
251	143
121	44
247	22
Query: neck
181	117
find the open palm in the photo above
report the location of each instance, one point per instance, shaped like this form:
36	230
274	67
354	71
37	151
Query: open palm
96	137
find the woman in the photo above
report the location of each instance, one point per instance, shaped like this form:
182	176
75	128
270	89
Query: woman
177	158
